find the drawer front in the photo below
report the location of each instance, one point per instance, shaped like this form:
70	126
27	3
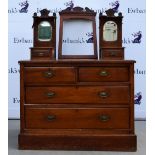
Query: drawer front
112	53
85	94
42	53
52	118
42	75
101	74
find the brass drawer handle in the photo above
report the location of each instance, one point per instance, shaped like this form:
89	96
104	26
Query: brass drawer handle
113	54
103	94
103	73
50	94
104	118
51	117
41	54
48	74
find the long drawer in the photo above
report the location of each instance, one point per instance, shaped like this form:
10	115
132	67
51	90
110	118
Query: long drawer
47	75
67	118
82	94
102	74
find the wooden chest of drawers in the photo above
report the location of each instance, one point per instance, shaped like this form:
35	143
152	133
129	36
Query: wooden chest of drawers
77	105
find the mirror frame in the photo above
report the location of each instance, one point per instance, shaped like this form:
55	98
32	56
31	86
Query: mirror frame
77	13
36	21
118	20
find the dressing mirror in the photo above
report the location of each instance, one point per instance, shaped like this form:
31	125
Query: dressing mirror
44	36
110	36
110	31
44	31
77	36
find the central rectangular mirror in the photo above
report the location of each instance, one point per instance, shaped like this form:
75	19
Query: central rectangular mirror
77	35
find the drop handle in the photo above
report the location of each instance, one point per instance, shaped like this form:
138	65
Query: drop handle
48	74
113	54
41	54
103	73
103	94
51	117
50	94
104	118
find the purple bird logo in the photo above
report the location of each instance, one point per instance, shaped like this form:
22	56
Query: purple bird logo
69	4
90	39
24	6
115	5
137	37
137	98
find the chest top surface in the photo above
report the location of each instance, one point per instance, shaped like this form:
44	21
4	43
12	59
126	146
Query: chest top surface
74	62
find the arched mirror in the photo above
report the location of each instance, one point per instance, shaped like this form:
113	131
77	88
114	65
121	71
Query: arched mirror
44	31
110	31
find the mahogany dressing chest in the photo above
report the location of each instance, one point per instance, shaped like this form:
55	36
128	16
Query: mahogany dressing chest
76	104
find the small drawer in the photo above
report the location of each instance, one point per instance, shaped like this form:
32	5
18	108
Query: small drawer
42	53
112	53
84	94
77	118
103	74
47	75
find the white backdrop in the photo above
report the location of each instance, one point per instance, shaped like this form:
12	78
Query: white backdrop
20	39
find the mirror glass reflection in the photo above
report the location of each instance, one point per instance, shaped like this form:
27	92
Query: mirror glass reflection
77	38
44	31
110	31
